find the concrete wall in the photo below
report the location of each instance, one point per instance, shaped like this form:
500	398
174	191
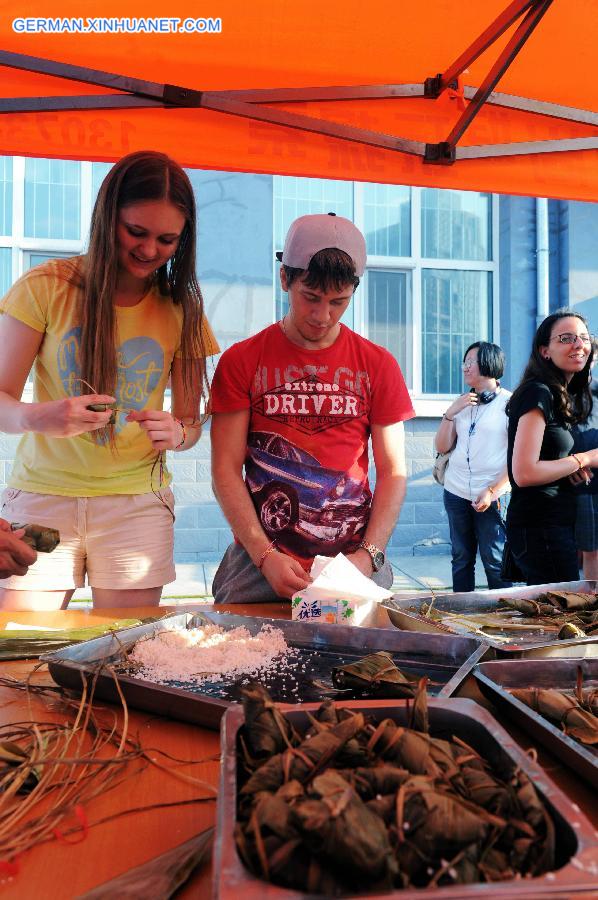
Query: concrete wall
422	525
201	531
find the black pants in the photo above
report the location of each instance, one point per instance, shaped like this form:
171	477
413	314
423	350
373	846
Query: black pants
544	554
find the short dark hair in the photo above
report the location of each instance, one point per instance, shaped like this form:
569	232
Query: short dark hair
328	270
491	358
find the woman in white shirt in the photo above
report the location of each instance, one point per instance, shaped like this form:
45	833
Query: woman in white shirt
476	479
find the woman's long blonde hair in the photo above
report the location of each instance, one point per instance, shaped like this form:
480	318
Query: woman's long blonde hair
145	175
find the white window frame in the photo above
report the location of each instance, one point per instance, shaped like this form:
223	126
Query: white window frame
22	246
431	405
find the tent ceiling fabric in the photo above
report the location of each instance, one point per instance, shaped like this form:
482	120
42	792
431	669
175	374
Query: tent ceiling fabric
309	44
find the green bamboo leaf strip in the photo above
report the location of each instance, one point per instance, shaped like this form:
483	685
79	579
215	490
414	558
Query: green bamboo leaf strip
29	644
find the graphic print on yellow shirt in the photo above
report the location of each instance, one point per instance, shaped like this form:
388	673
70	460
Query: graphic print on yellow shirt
148	339
140	367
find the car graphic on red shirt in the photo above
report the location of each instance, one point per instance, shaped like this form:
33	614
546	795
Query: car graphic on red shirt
299	502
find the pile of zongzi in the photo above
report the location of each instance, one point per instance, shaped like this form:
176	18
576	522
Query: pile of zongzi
357	806
575	711
565	614
576	613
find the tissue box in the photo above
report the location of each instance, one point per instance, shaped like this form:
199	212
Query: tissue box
343	611
338	595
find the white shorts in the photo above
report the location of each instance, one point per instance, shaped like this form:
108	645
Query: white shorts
121	541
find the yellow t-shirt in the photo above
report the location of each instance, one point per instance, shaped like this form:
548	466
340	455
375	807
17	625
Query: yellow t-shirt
148	339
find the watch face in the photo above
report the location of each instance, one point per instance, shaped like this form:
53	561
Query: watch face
378	560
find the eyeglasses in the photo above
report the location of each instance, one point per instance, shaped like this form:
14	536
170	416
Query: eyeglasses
569	338
468	364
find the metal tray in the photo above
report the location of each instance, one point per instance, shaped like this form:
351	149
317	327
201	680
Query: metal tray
403	613
495	679
575	839
320	647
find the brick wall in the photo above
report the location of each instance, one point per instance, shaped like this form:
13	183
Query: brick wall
422	523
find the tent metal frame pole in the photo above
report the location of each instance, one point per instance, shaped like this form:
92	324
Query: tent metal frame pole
134	93
488	37
222	103
443	153
288	95
526	148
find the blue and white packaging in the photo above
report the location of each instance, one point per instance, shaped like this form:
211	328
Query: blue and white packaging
339	594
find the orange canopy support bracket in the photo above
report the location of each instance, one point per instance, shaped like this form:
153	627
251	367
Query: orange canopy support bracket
444	153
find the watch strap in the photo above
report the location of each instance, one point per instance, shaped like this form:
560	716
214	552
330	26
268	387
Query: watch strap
373	552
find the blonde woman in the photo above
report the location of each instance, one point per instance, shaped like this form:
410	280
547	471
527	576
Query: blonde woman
110	327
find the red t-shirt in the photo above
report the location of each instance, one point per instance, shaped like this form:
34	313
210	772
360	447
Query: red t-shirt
306	466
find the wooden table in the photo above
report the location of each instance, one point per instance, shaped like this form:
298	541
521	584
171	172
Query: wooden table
58	871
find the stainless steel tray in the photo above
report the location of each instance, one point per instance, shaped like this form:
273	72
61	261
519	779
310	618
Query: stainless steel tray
320	647
576	841
495	679
404	613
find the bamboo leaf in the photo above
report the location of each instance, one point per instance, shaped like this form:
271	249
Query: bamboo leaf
29	644
160	877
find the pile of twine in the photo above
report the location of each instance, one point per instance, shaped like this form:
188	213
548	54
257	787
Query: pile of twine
69	764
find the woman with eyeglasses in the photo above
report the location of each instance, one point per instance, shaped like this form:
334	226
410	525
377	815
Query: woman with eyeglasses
585	435
553	395
476	479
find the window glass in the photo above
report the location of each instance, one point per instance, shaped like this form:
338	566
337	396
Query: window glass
5	269
387	217
36	258
456	311
387	315
99	170
455	225
52	198
6	195
294	197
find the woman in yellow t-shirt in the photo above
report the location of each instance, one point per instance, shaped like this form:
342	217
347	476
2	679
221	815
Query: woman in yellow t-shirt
111	327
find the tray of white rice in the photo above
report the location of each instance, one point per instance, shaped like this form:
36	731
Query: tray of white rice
192	667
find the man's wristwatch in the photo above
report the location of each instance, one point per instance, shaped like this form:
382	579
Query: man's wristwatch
376	555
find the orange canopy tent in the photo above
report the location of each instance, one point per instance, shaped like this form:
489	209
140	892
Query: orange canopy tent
490	96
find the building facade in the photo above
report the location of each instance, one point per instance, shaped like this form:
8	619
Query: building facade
445	268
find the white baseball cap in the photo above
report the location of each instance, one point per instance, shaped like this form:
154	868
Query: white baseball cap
310	234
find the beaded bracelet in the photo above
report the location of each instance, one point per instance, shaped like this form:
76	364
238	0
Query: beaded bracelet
184	437
578	461
269	549
448	418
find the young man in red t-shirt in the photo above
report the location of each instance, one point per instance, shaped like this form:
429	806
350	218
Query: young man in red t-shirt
294	406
